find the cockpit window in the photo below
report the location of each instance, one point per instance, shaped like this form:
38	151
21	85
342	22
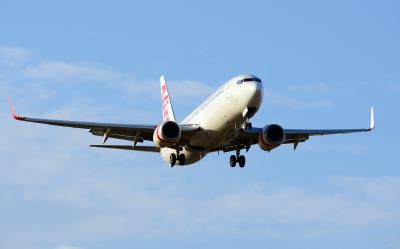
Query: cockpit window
248	79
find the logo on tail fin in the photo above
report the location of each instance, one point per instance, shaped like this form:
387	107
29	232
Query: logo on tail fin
168	112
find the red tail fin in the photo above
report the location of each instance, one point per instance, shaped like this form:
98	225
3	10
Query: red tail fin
167	110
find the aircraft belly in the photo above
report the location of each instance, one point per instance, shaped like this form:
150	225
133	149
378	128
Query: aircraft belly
218	130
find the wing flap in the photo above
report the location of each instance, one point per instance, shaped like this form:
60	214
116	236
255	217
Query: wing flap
129	147
322	132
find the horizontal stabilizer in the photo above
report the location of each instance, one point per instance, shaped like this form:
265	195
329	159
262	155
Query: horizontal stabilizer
129	147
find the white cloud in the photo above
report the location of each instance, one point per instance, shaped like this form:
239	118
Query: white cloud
63	71
383	190
65	196
284	100
14	55
292	206
117	204
188	89
311	88
68	72
68	247
318	146
92	195
38	79
181	91
138	211
60	71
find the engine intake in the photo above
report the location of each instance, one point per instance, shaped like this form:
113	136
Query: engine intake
167	133
271	136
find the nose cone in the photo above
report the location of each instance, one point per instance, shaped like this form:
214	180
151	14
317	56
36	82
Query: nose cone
254	87
255	92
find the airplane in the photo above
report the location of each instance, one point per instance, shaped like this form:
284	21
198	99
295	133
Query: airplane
220	123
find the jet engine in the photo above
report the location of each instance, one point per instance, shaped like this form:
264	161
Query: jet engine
271	136
166	134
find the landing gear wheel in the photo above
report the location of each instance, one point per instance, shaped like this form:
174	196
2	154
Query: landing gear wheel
242	161
232	161
172	159
181	159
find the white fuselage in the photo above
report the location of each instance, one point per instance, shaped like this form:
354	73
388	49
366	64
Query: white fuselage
220	117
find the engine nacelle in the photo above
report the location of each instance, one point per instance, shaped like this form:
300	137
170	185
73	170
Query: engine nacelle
166	134
271	136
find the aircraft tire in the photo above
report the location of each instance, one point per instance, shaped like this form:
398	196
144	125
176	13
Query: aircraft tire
172	159
232	161
181	159
242	161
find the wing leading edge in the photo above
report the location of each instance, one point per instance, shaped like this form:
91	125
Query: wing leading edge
332	131
131	132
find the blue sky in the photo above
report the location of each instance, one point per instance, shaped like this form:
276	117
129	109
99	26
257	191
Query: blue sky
323	65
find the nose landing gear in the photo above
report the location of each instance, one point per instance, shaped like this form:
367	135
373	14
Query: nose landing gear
248	126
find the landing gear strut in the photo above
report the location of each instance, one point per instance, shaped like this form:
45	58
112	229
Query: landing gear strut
248	126
237	159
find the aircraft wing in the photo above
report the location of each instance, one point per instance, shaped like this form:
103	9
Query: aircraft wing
131	132
246	138
293	135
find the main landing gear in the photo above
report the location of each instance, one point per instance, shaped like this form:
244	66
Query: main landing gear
237	159
173	158
240	158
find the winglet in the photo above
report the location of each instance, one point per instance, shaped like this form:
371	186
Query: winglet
15	116
372	121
